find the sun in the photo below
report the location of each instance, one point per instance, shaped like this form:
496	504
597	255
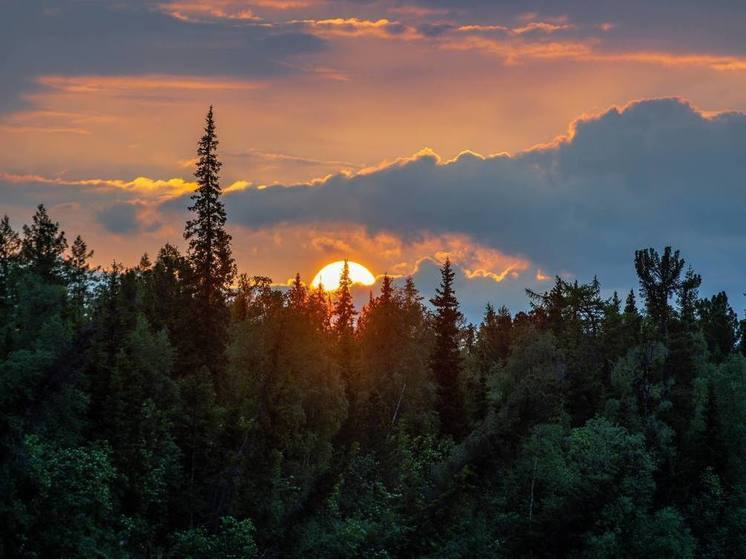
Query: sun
328	276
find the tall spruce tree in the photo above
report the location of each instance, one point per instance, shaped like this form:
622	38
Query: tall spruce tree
209	253
445	360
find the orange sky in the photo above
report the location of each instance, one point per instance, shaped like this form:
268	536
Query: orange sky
333	87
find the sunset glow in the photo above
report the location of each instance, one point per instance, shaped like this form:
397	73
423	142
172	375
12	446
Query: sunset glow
399	132
328	276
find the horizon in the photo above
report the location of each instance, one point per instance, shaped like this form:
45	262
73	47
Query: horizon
524	143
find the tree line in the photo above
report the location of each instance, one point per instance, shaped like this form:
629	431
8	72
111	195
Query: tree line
176	409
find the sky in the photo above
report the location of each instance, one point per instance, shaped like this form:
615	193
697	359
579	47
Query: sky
523	140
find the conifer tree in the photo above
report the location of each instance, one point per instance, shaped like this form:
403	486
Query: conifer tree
387	290
660	278
445	359
630	304
344	308
78	273
209	253
297	294
43	246
719	324
10	245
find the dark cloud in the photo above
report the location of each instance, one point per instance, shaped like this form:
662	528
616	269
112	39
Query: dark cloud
119	219
116	38
656	173
672	25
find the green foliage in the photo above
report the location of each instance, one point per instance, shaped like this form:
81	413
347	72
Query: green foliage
161	411
234	540
69	508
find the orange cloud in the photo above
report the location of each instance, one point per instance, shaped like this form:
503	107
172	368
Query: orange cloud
287	4
232	10
282	250
20	129
161	188
355	27
513	51
196	10
98	84
51	122
543	26
478	261
417	11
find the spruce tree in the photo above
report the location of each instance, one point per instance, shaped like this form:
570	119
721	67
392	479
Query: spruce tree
78	274
209	253
10	245
445	360
344	308
344	324
43	246
297	293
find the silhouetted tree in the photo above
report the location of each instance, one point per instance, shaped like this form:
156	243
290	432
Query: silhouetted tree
719	326
43	246
209	254
445	359
660	278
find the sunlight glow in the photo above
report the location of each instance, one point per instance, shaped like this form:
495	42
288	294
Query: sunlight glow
328	276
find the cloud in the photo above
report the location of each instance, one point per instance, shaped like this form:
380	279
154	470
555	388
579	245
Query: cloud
650	173
528	27
231	10
108	84
197	10
119	219
356	27
513	50
157	188
126	39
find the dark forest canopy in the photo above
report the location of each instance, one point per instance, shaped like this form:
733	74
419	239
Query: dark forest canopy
172	410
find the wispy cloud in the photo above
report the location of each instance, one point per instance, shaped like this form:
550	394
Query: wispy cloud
356	27
160	188
196	10
100	84
230	10
591	50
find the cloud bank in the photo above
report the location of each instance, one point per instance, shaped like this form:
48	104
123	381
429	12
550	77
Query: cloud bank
651	173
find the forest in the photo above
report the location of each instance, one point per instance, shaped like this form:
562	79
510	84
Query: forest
177	409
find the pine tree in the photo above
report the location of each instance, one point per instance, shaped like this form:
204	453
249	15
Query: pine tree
209	253
719	324
630	304
43	246
387	290
10	245
297	293
445	360
78	273
660	278
344	308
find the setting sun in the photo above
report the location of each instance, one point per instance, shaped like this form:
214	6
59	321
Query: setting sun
328	276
